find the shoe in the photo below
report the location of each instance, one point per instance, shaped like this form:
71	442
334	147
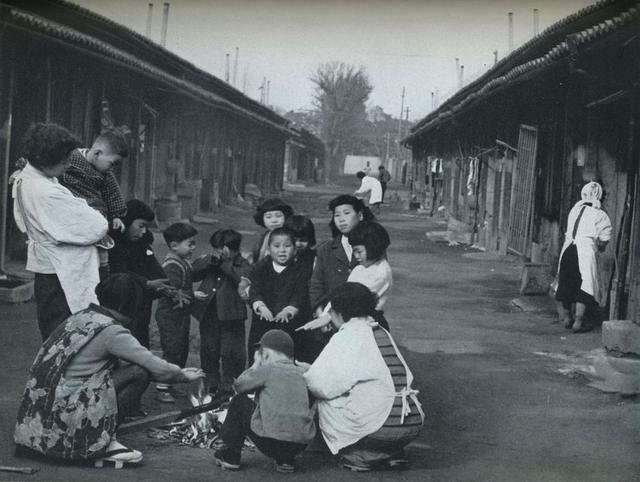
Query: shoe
226	460
398	464
285	468
581	328
119	455
165	397
345	464
568	323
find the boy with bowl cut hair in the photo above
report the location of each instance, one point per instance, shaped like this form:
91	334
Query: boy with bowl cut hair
222	313
90	177
174	319
280	423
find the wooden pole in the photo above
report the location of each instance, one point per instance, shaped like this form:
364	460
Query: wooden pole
5	172
235	67
510	15
149	20
165	23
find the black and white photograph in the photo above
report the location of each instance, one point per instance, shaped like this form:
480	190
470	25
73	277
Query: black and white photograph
335	240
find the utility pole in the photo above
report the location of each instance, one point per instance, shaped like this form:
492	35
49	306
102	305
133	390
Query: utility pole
165	23
262	89
510	16
400	120
268	91
386	157
536	22
149	19
226	69
244	81
235	67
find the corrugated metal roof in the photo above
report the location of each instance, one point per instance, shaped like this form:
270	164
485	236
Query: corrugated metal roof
79	39
489	81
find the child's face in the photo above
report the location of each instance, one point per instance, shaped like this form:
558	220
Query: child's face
360	253
104	159
137	229
273	220
222	253
184	248
281	249
302	245
345	217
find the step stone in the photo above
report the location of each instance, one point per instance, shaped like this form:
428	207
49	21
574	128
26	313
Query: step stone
622	336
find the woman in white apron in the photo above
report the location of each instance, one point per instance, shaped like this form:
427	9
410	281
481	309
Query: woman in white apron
588	231
62	229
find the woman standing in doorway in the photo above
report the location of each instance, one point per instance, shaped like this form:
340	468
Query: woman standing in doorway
588	231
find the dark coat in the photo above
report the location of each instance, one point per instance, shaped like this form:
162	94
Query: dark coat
221	284
332	269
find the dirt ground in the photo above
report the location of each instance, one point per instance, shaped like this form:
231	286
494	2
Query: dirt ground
498	408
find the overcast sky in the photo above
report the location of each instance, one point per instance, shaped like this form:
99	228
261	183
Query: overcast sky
411	43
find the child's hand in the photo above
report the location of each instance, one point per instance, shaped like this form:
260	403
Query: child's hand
319	322
286	314
159	284
180	299
243	288
118	225
263	312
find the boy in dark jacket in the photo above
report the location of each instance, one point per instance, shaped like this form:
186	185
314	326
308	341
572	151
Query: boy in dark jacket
222	313
279	289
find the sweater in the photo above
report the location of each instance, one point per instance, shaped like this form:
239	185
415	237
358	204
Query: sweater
282	403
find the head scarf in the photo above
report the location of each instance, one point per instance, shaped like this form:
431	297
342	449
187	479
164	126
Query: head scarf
592	193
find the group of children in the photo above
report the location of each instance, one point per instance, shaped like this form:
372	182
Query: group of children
281	283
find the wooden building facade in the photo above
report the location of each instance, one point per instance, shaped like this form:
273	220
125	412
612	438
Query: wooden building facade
194	140
517	144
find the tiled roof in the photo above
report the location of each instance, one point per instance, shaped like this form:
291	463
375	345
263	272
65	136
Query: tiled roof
490	81
79	39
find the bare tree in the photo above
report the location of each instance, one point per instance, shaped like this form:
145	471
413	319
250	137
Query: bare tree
341	94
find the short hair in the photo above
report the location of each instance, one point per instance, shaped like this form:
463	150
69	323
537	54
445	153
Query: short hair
360	174
226	237
358	206
380	168
116	140
353	300
178	232
137	209
123	293
302	228
283	231
273	204
373	237
47	145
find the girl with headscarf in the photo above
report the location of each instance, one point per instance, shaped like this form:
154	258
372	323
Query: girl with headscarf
588	231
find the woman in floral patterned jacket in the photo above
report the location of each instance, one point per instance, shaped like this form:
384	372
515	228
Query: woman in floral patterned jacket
78	391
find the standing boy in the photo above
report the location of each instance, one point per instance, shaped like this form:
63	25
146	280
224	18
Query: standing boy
384	177
280	423
279	288
89	176
222	314
173	316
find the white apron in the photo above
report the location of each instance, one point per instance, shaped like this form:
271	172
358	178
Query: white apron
594	225
62	231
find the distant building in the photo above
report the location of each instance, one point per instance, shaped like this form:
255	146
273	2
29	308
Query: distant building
368	164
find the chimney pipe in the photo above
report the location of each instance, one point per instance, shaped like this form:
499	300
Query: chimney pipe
510	31
226	68
149	19
458	72
235	67
165	22
461	76
536	22
495	57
